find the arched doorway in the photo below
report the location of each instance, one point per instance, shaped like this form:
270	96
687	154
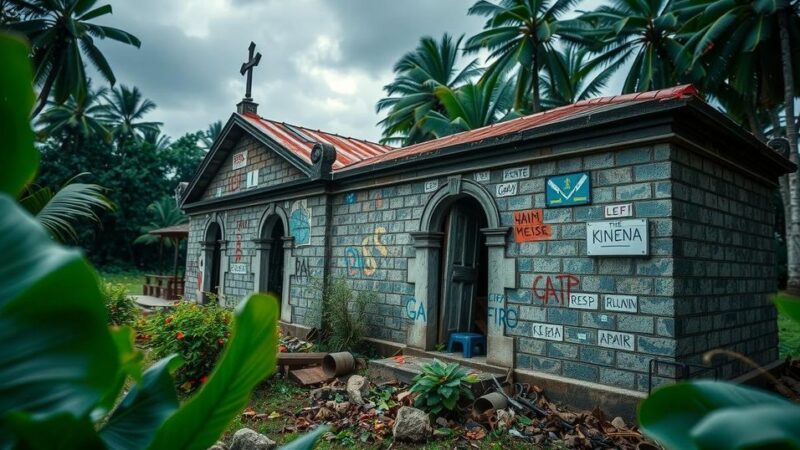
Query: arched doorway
272	269
452	277
463	300
212	248
274	261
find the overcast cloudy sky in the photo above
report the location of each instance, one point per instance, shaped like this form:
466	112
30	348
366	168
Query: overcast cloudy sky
323	66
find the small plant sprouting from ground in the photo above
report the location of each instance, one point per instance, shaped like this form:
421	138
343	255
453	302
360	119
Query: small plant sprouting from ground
342	313
440	386
120	306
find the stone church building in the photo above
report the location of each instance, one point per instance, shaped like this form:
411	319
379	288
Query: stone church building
583	242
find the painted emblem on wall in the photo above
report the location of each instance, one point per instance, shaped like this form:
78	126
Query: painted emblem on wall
569	190
300	223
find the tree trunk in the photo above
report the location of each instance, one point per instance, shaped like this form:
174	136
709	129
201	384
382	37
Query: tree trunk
536	101
793	211
754	127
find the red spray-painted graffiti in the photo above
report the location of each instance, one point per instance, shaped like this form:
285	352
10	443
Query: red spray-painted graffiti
238	252
554	287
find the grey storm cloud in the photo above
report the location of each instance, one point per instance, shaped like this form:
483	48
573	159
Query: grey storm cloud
324	62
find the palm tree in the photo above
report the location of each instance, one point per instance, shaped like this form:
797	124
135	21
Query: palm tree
59	211
645	30
81	116
159	141
163	213
741	43
471	106
61	34
412	93
571	77
126	107
520	35
211	134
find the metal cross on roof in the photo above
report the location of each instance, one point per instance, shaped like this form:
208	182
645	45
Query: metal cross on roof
248	67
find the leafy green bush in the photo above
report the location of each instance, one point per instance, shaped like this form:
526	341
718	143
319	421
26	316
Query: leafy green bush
343	314
196	333
719	415
120	306
440	386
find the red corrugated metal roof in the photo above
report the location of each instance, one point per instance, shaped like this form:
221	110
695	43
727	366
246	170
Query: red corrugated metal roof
528	122
300	140
352	153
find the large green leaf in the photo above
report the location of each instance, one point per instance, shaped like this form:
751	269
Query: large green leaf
248	359
687	416
306	441
58	431
130	362
57	354
134	423
17	155
761	426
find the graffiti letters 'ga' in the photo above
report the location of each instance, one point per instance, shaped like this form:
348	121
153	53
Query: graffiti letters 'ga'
366	259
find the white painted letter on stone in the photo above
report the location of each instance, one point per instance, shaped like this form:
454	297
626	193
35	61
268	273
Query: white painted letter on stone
431	185
516	173
614	339
579	300
506	189
547	331
622	303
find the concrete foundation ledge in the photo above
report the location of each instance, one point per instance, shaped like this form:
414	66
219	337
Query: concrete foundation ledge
585	395
294	330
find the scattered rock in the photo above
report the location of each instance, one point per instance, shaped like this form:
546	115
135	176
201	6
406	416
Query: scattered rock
442	422
618	423
411	424
357	389
247	439
219	446
342	407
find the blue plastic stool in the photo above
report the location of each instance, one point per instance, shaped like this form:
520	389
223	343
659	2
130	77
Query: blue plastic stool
468	343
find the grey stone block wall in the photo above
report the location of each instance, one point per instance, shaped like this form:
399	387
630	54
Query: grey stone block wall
725	269
704	285
272	169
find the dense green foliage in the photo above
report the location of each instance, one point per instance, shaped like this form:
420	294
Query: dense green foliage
62	368
718	415
440	386
197	334
120	307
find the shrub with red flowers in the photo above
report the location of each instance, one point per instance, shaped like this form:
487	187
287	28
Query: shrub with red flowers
197	333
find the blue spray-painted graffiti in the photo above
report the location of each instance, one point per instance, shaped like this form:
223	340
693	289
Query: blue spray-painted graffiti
367	259
507	316
416	311
350	198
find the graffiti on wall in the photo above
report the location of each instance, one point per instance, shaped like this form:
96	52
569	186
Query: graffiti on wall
301	268
500	314
416	310
555	288
529	226
300	223
350	198
238	252
366	259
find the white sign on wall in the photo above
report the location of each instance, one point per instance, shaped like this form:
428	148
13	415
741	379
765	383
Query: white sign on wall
506	189
239	160
252	178
617	237
579	300
483	177
240	268
617	340
618	211
547	331
219	191
431	185
516	173
622	303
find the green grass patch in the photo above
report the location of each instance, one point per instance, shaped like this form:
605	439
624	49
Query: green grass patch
789	333
133	281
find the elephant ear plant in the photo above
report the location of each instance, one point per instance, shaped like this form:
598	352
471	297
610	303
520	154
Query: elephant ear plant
718	415
62	368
